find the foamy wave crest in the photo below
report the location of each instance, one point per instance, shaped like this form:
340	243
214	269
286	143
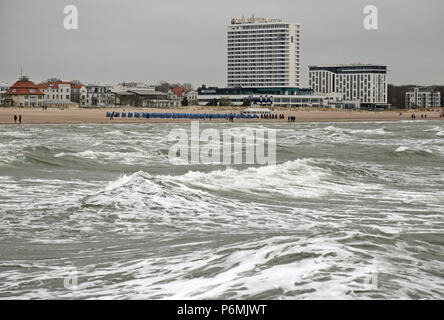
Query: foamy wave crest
376	131
143	201
415	149
302	178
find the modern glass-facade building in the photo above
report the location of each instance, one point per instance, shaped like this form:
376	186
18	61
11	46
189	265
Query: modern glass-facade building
276	96
263	53
357	82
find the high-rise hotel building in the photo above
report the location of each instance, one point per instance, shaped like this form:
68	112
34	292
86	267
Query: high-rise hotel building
263	53
366	83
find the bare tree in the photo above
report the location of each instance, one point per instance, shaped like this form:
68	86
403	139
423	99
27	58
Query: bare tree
188	86
163	86
52	80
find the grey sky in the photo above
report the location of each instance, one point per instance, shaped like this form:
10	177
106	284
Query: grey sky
185	41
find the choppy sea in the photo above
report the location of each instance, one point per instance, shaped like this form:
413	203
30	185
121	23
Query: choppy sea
349	211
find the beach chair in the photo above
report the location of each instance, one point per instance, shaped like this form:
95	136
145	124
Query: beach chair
123	114
108	114
130	114
144	115
117	115
137	115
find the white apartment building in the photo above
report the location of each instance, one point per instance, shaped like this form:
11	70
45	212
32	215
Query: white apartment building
263	53
56	93
3	88
422	97
99	96
365	83
191	97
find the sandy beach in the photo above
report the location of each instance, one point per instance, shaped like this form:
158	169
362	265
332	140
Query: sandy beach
98	115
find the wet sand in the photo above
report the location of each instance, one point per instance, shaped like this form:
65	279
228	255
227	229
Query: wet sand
98	115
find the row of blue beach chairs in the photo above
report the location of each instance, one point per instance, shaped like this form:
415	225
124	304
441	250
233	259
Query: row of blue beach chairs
143	115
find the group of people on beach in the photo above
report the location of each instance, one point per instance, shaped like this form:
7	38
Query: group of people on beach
423	116
291	118
272	116
19	118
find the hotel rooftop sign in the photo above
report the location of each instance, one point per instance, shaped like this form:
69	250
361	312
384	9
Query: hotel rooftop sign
253	20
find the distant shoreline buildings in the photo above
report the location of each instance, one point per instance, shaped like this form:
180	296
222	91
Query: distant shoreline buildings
263	68
422	97
25	93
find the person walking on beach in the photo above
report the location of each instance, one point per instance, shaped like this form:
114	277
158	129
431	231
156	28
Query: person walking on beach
15	118
20	119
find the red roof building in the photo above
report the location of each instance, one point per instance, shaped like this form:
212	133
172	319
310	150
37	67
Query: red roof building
179	91
24	93
24	88
55	85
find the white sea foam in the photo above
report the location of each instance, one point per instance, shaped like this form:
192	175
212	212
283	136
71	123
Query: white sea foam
402	149
416	148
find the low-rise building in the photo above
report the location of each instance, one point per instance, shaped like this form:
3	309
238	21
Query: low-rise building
24	93
3	88
422	97
191	97
98	96
277	96
145	96
78	93
57	94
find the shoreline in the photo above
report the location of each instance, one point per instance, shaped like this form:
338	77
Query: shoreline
98	115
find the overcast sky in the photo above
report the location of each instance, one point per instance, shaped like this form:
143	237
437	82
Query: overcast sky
185	41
